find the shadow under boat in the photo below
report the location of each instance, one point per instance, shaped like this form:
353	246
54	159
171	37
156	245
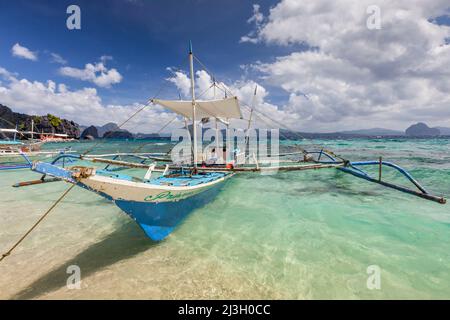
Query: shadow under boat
125	242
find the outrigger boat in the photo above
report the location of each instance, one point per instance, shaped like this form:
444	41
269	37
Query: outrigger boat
159	204
13	150
17	145
12	160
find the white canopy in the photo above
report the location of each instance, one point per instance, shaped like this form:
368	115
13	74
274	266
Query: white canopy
225	108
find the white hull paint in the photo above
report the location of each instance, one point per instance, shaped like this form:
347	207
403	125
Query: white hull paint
119	189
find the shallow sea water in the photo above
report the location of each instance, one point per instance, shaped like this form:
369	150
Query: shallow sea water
296	235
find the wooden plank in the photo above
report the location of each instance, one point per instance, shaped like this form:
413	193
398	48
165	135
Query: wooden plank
34	182
218	168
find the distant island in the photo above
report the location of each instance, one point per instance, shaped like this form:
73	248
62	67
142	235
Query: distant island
107	131
418	130
52	124
421	129
112	131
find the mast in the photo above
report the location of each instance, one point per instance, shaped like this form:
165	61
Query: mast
250	118
32	129
215	121
194	126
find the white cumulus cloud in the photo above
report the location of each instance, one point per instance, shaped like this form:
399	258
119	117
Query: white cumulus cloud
22	52
354	76
96	73
84	106
267	115
56	58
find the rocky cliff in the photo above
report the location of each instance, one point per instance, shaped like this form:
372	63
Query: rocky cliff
89	133
111	126
48	123
107	131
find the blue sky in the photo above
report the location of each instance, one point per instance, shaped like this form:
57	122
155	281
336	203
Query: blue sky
319	65
143	37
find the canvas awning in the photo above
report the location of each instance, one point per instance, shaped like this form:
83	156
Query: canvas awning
226	108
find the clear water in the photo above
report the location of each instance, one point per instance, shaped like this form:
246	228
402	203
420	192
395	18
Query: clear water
296	235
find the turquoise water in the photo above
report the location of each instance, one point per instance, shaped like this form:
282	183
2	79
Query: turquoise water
296	235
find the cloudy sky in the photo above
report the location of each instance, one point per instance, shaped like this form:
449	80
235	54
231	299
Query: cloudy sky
319	65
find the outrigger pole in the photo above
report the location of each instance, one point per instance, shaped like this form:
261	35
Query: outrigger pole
421	192
329	162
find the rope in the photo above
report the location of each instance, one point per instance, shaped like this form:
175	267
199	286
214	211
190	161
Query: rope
204	91
206	69
302	149
282	134
154	97
4	255
139	148
118	128
163	85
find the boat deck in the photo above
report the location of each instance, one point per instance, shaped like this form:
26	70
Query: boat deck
187	180
175	179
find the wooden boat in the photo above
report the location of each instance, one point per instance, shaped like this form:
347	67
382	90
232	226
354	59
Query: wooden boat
15	145
19	146
12	152
159	204
10	159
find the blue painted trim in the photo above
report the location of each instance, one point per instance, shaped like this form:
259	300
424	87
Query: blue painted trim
359	170
15	166
320	155
158	220
62	156
393	186
392	165
28	160
11	142
323	153
54	171
107	166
